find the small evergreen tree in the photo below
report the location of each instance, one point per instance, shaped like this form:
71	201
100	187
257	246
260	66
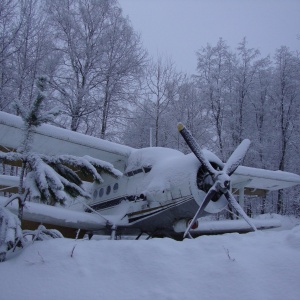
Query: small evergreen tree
49	179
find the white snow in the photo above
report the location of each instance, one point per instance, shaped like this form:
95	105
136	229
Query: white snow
62	141
147	157
265	179
237	157
261	265
9	228
57	215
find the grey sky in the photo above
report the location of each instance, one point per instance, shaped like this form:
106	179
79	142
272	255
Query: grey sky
178	28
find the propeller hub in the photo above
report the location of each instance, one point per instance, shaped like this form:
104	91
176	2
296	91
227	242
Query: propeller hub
223	179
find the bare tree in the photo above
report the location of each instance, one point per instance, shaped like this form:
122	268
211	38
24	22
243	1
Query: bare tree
260	154
10	23
122	65
100	57
214	66
80	30
187	107
285	99
33	56
248	65
160	87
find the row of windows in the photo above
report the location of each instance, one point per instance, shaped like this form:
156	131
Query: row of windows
99	193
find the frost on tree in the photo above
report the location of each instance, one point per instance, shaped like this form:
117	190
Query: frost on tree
50	179
54	180
47	179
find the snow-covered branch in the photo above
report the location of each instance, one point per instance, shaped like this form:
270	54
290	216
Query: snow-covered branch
10	231
52	179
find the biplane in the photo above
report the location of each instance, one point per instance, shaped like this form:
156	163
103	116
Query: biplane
162	191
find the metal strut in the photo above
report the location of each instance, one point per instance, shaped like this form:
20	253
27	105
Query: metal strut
113	232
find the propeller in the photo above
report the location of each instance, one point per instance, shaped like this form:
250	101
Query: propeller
221	178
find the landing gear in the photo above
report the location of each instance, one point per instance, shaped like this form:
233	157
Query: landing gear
113	232
139	235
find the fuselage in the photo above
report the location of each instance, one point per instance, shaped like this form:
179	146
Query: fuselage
159	188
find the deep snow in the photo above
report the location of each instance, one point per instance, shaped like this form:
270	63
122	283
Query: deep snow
258	265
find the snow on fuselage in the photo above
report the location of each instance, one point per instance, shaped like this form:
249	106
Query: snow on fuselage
159	187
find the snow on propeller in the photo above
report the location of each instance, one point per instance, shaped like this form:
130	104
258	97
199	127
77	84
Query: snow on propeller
221	178
162	191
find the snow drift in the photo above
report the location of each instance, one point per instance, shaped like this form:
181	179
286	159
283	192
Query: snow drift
260	265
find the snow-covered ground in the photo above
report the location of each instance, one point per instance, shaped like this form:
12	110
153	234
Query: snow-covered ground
262	265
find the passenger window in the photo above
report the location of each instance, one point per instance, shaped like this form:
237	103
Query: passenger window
95	194
108	189
101	192
116	186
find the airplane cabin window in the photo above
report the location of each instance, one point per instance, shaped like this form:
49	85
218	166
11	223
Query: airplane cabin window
108	189
95	194
116	186
101	192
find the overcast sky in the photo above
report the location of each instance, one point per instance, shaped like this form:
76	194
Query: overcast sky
178	28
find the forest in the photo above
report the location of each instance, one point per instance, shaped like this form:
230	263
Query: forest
105	84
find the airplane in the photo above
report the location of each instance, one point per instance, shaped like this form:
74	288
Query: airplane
162	191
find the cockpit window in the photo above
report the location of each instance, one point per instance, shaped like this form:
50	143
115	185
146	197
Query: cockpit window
147	169
137	171
134	172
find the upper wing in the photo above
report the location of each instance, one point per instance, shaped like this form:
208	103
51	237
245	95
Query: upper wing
260	179
52	140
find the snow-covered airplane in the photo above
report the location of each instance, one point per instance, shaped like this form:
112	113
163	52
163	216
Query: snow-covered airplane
162	192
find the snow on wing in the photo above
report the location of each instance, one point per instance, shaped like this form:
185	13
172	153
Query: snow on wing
263	179
52	140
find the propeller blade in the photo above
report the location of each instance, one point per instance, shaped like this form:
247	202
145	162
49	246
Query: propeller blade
236	157
210	194
189	139
239	209
221	178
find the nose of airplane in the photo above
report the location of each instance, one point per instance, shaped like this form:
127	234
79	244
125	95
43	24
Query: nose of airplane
221	178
